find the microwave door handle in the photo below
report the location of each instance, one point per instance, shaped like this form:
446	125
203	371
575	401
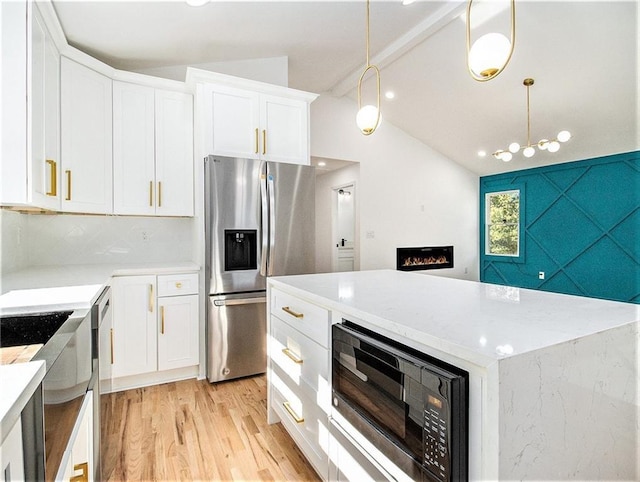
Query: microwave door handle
272	222
264	225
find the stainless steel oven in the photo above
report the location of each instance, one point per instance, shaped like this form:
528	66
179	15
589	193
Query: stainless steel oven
68	358
411	406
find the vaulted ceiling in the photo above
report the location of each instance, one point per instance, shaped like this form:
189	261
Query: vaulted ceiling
584	57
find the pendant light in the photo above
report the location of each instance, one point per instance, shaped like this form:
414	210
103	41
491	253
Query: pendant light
491	53
368	117
529	150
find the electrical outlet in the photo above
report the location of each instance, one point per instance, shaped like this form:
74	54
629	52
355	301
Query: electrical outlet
144	235
540	274
371	234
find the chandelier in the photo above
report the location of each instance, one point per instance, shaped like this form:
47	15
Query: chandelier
368	117
551	145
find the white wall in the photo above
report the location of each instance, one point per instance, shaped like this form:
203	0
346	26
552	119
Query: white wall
13	229
409	194
324	200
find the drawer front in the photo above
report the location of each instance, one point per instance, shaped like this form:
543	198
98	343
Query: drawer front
299	356
309	319
178	284
304	420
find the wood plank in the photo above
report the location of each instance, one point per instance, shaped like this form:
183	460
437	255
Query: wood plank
194	430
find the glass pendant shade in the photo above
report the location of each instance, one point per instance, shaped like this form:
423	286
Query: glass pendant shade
489	54
554	146
528	151
564	136
368	119
514	147
506	156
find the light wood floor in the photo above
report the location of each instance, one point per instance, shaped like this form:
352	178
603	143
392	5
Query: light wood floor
193	430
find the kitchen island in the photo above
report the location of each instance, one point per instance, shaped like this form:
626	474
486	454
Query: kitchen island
553	379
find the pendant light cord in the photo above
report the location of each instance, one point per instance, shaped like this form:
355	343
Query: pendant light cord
367	33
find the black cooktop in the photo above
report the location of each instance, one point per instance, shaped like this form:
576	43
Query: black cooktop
30	329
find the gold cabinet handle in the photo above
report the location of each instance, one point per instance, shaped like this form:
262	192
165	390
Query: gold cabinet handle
159	194
151	193
264	141
85	472
151	298
162	320
293	414
178	285
53	187
295	358
68	198
257	140
286	309
111	334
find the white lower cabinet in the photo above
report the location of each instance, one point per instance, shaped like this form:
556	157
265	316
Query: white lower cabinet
11	456
77	461
155	327
299	389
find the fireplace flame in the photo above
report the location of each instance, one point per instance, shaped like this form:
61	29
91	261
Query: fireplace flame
422	261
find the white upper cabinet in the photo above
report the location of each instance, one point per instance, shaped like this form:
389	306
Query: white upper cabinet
174	153
240	122
30	163
133	149
86	138
152	151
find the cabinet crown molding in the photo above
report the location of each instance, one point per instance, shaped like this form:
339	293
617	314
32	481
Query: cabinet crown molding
199	76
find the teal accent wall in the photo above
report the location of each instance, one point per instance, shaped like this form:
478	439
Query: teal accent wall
581	226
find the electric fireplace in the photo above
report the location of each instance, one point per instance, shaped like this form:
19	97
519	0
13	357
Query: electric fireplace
427	257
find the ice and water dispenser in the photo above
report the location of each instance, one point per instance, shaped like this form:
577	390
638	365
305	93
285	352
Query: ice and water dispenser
240	249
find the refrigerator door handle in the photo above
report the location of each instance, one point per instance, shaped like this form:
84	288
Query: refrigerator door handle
243	301
272	222
264	225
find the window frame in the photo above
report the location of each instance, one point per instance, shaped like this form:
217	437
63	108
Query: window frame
487	192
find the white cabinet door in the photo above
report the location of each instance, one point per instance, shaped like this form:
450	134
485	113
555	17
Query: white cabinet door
133	149
135	335
30	66
11	456
45	109
174	153
285	126
178	338
86	139
233	122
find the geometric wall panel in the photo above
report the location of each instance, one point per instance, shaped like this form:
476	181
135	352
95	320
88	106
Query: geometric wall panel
581	227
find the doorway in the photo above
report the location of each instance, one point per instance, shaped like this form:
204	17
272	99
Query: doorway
344	228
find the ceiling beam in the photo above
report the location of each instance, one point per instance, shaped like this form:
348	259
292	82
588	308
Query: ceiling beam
396	49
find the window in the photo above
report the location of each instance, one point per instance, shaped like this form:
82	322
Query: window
502	218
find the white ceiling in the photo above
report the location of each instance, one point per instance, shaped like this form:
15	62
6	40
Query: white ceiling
582	55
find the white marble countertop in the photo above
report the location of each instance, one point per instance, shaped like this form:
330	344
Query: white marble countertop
70	287
477	322
18	383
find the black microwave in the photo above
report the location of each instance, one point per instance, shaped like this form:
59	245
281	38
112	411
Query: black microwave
411	406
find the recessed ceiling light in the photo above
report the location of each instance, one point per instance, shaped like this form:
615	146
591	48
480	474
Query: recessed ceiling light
196	3
482	153
322	164
389	94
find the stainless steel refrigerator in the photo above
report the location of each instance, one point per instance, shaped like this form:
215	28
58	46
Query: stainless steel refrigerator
259	222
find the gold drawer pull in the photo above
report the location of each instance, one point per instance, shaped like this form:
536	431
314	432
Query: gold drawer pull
178	285
53	189
151	193
111	333
159	194
257	140
286	309
68	198
151	298
264	141
85	473
162	319
292	356
293	414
